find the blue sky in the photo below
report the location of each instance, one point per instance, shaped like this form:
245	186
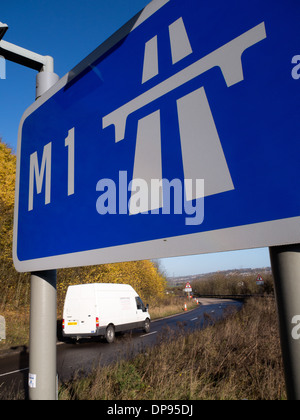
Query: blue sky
69	30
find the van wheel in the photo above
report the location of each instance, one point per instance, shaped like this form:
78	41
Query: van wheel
147	326
110	334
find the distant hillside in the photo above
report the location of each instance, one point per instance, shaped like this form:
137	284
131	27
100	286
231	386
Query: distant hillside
243	272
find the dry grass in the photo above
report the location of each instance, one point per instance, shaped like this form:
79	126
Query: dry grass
238	358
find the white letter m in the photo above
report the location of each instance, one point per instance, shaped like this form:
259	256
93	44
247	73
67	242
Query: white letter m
39	175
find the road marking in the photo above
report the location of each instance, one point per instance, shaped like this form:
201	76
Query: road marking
194	319
15	371
145	335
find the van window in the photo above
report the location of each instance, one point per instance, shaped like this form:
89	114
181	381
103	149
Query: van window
139	304
125	303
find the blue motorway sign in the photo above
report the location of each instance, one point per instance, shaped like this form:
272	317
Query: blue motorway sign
178	135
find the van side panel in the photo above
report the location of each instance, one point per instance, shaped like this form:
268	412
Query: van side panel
117	308
115	304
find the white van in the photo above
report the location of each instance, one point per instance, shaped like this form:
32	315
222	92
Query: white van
102	309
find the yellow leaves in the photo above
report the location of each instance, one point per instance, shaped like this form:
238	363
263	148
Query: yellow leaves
7	195
7	175
14	287
143	276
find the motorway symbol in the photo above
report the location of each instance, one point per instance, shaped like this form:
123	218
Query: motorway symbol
149	147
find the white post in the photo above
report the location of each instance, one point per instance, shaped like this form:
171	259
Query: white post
2	328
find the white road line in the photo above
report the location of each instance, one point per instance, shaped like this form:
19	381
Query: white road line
145	335
15	371
194	319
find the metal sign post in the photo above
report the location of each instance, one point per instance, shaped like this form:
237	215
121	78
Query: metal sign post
42	380
285	262
42	344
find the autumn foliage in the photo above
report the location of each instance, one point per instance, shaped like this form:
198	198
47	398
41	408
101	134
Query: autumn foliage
7	192
143	276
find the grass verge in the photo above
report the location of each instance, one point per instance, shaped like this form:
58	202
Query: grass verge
236	359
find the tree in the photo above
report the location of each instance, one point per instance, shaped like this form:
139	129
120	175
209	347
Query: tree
7	196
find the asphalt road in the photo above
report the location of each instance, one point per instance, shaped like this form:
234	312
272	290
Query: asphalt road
87	354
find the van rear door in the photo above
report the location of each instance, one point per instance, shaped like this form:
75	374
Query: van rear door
71	316
80	316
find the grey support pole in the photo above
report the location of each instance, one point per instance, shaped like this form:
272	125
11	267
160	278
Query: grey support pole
285	262
42	347
42	379
46	78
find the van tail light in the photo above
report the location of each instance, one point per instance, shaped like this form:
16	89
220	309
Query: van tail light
97	322
63	324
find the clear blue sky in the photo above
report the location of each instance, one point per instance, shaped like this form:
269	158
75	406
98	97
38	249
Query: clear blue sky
69	30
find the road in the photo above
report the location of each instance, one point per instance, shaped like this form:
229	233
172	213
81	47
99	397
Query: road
87	354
